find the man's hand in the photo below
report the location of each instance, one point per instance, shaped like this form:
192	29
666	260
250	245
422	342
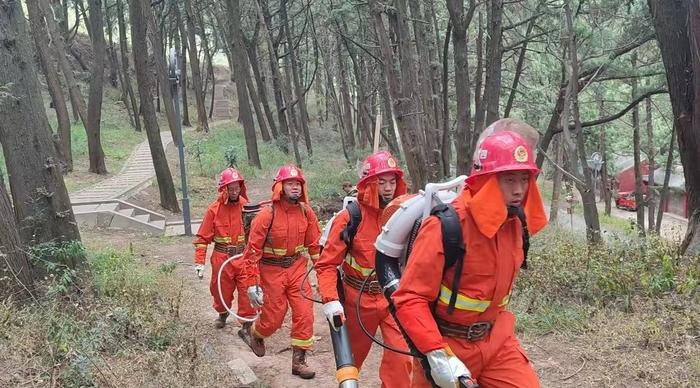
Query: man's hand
446	369
255	294
331	309
199	269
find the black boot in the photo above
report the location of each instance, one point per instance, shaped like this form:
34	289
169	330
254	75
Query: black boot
220	322
257	345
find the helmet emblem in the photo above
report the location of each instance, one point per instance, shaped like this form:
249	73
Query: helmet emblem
391	162
520	154
293	172
483	154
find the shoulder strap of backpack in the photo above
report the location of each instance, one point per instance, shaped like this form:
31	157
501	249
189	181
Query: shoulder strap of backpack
518	211
453	246
269	227
350	230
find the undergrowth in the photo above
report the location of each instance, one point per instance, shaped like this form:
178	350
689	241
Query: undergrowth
116	324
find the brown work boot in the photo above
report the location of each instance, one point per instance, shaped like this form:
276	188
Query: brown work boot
257	345
220	322
299	366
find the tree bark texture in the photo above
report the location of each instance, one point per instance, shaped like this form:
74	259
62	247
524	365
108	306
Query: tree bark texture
125	65
94	114
677	25
161	68
463	134
42	206
36	19
16	282
137	9
239	74
651	156
203	124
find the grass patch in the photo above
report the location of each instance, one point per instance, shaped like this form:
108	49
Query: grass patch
568	279
208	154
119	325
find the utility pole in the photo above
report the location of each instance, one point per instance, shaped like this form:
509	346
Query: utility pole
174	77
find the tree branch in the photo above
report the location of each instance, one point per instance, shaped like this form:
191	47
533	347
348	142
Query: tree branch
621	113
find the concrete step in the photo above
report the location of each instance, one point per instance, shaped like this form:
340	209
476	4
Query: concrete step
126	212
142	217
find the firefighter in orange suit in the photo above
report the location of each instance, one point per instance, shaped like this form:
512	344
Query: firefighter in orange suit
280	237
477	338
223	225
381	182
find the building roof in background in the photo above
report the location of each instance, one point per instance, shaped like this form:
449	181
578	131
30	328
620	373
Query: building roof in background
676	181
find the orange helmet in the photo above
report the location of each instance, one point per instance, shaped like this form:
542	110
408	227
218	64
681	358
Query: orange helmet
231	175
503	151
379	163
288	172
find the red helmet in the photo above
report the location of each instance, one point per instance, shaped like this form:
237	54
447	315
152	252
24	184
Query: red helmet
288	172
229	175
379	163
503	151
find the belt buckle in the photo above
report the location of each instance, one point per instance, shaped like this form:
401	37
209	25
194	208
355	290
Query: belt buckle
374	287
478	330
287	261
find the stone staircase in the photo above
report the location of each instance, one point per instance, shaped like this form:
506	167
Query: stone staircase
115	213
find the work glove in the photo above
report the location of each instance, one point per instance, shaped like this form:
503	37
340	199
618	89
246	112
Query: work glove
446	369
199	269
331	309
255	294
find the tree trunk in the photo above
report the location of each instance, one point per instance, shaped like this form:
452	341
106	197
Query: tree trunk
606	187
183	67
590	212
125	65
404	105
264	16
36	18
446	130
161	68
667	178
239	73
519	67
94	114
556	182
651	153
113	64
76	96
494	55
257	104
261	86
463	134
39	195
346	103
116	69
299	92
479	103
638	185
137	15
194	66
677	26
14	259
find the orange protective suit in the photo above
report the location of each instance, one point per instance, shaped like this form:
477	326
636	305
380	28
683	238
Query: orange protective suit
223	225
358	264
494	254
282	234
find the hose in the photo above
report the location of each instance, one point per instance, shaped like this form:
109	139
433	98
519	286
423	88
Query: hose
221	294
304	280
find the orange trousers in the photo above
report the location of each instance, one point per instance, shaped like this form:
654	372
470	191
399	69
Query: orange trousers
395	368
230	282
282	289
497	361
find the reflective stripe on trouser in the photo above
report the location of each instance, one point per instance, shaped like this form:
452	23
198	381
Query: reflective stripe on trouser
230	281
282	288
395	368
497	361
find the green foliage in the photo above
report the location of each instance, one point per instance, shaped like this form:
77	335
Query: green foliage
567	279
132	311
